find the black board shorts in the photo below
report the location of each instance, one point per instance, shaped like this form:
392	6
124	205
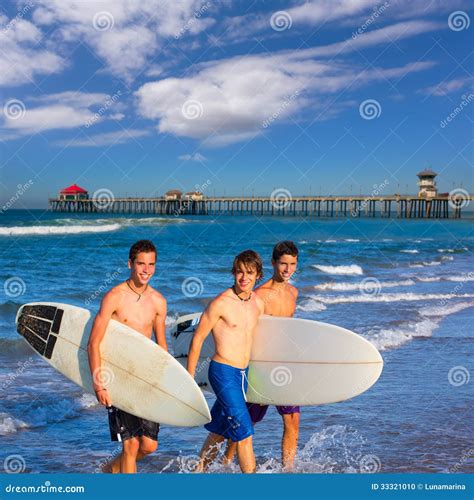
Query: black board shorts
124	426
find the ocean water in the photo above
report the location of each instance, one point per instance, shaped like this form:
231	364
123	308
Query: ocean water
407	286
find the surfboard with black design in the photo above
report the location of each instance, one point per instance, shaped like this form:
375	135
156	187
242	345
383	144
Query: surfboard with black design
141	377
39	325
181	335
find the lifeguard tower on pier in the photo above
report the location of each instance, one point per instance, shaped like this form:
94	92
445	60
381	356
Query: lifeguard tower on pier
427	184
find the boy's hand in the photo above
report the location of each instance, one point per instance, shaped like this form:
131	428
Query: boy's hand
103	397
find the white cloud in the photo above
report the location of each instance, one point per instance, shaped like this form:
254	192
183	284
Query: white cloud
315	12
334	13
193	157
73	98
404	9
117	116
386	35
136	28
141	30
105	139
154	71
20	58
43	118
448	87
237	98
64	110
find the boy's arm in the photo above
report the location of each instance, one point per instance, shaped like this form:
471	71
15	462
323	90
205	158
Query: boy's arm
208	320
260	303
101	321
263	296
296	292
160	323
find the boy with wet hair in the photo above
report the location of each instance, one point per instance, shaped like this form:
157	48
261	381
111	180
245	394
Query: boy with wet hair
232	318
136	304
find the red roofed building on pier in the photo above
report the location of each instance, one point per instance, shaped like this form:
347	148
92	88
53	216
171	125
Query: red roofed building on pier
73	193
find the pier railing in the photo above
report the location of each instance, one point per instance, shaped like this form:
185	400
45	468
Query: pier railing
407	207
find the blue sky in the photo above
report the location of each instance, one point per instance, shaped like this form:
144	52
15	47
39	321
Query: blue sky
139	97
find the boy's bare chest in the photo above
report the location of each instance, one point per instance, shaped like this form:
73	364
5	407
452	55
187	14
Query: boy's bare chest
279	302
241	316
138	314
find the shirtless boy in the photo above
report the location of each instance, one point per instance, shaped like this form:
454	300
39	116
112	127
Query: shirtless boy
279	298
232	317
139	306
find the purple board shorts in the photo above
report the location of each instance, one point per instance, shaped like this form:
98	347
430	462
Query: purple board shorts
257	412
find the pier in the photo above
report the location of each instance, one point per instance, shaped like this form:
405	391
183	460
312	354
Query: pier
394	206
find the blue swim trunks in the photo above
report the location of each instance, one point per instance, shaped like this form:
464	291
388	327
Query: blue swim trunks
230	417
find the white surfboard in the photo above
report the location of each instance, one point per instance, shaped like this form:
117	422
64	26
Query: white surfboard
142	378
293	361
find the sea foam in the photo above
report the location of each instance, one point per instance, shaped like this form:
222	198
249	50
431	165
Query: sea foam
389	297
349	287
431	317
352	269
56	230
42	413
